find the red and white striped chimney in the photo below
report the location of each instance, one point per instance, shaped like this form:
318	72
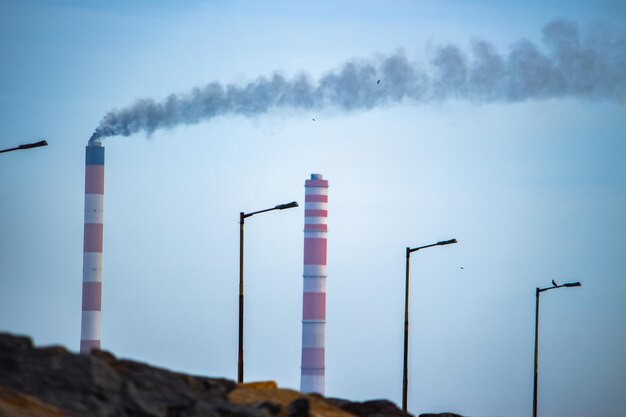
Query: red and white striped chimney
314	299
92	248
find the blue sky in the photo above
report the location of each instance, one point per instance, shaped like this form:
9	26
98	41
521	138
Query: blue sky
533	191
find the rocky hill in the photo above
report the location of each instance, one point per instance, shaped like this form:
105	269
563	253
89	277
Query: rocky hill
53	382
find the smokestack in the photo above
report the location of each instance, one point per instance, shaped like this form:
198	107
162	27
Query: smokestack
314	299
92	248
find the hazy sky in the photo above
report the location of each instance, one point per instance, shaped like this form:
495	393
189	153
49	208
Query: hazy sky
533	189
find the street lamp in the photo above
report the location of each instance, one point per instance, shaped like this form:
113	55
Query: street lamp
26	146
405	376
537	292
242	217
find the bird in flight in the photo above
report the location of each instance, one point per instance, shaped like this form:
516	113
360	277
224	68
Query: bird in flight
378	82
313	119
554	283
462	268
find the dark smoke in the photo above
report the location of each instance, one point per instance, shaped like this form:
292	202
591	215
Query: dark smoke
590	67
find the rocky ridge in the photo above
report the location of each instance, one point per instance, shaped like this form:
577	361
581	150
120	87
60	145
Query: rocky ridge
53	382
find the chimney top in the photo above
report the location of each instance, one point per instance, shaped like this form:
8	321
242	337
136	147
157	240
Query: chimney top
316	176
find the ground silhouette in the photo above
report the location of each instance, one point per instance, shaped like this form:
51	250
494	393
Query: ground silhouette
54	382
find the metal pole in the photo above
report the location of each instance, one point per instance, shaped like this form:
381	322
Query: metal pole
537	291
9	150
240	353
405	377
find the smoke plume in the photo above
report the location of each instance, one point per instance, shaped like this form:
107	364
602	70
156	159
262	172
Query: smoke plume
589	65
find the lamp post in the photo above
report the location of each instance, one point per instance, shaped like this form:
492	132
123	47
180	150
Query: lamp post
242	217
405	371
537	292
26	146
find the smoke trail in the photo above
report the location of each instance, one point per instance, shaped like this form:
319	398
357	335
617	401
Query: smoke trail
590	67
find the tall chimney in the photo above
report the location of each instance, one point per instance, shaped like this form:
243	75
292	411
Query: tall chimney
314	299
92	248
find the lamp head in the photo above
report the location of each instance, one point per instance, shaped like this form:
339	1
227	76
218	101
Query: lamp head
572	284
446	242
34	145
286	206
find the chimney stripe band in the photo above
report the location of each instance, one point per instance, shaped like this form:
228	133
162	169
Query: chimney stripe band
315	220
314	306
93	208
94	179
315	191
90	326
314	251
316	183
94	155
87	345
313	357
314	376
314	284
315	198
314	271
92	267
313	335
92	296
315	213
316	206
315	228
93	237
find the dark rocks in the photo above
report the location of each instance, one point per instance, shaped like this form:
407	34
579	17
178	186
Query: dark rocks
99	385
16	404
284	402
299	408
373	408
53	382
272	408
